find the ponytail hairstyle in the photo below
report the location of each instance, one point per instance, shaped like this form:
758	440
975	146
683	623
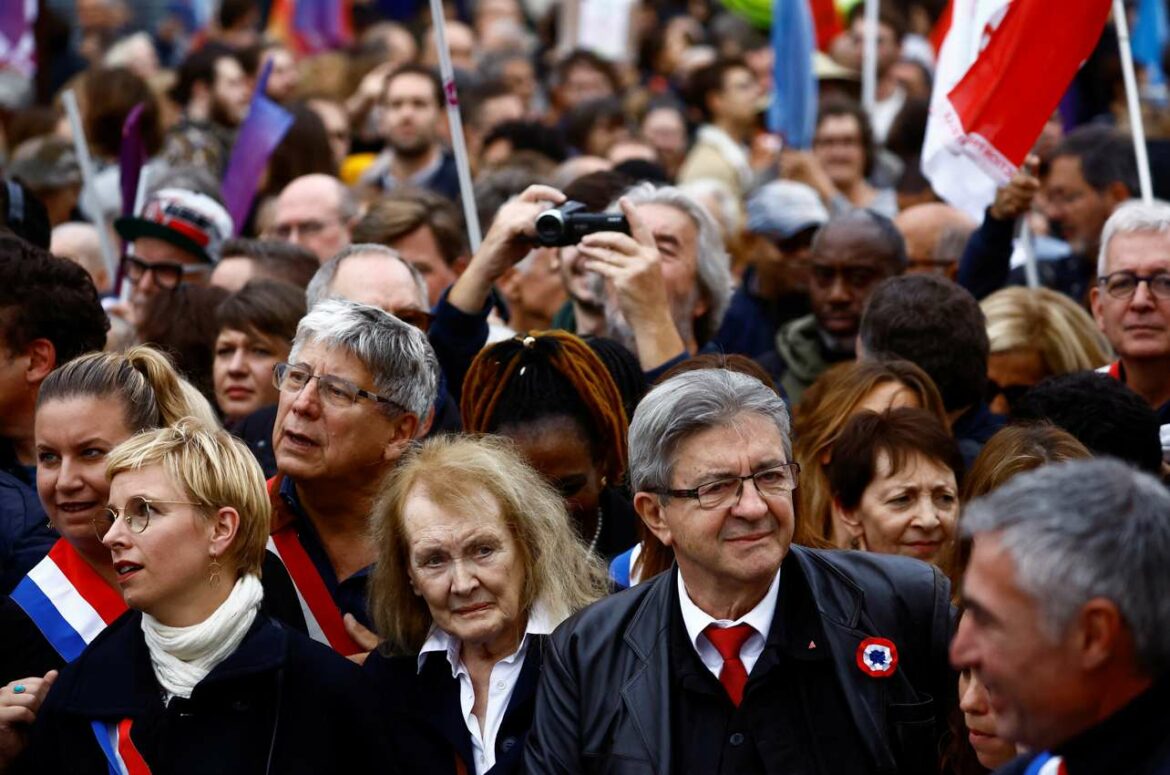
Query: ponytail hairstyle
545	375
152	393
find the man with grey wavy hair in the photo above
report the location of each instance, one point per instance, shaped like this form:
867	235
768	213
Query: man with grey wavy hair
1067	619
668	282
353	397
1131	302
700	668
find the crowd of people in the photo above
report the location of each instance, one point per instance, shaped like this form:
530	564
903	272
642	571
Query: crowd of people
782	466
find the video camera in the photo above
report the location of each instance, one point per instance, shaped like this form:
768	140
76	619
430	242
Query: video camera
567	224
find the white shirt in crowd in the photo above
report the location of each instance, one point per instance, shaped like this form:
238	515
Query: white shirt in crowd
759	619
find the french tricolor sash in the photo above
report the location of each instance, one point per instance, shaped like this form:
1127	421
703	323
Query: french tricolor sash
322	616
1046	764
121	755
67	600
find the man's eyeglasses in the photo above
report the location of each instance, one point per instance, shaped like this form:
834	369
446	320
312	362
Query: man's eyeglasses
167	274
334	391
726	492
137	514
1123	285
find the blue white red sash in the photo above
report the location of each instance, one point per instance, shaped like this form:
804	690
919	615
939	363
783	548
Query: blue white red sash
67	600
121	755
322	616
1047	764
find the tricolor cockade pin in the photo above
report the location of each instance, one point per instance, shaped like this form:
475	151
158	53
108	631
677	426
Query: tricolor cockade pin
877	657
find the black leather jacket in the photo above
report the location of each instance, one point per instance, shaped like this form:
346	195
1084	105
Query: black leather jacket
604	704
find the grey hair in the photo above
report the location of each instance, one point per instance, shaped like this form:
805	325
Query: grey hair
1086	529
687	404
398	356
713	263
320	286
1133	216
347	203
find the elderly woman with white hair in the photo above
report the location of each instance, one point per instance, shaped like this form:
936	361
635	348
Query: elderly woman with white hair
356	393
477	563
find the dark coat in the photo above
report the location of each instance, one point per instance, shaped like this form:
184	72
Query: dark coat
279	704
421	719
604	705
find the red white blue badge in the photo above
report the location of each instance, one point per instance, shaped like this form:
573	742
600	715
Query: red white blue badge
877	657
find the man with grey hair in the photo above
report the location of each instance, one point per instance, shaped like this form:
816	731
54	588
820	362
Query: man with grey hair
667	282
1131	302
316	212
1066	617
750	655
353	398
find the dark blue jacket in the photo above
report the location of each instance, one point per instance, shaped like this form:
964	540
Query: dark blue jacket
25	535
985	265
279	704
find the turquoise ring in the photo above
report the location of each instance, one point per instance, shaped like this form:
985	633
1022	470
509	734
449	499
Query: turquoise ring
19	689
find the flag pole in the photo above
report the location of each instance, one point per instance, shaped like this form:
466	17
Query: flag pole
85	161
1137	128
869	58
458	145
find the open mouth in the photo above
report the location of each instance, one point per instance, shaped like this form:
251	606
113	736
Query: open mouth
126	569
299	439
76	507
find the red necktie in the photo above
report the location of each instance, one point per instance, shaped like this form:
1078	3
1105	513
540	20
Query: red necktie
728	641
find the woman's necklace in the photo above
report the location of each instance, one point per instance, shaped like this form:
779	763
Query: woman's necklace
596	533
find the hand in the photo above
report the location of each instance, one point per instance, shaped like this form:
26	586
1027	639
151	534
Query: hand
18	712
803	167
632	264
1015	199
369	91
361	636
765	151
511	238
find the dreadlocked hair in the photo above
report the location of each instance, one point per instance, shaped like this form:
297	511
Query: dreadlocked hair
547	374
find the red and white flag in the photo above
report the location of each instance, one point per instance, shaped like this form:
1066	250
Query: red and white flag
1003	69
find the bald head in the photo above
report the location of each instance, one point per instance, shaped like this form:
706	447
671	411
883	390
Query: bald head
80	243
315	212
935	236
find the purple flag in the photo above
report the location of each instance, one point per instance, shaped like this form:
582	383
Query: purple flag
131	157
321	24
17	45
261	132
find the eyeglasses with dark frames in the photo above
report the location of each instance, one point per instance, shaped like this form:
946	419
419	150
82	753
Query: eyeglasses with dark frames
137	513
1123	284
333	390
167	274
727	491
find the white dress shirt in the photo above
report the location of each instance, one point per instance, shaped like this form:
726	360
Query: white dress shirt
759	619
505	673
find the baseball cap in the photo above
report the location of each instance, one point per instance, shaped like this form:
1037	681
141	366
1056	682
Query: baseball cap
186	219
784	208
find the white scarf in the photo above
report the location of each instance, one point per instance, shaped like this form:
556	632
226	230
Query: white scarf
183	656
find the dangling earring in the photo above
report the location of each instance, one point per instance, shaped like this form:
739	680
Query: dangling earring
215	569
604	482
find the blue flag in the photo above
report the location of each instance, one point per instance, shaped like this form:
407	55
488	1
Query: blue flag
1150	33
261	132
793	110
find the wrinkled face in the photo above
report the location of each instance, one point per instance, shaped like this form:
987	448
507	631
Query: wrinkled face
1013	371
911	512
677	238
242	371
308	213
992	751
583	83
410	120
421	249
838	146
230	94
744	543
560	450
1031	678
316	441
1138	327
534	291
164	570
73	437
845	271
1075	208
468	569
